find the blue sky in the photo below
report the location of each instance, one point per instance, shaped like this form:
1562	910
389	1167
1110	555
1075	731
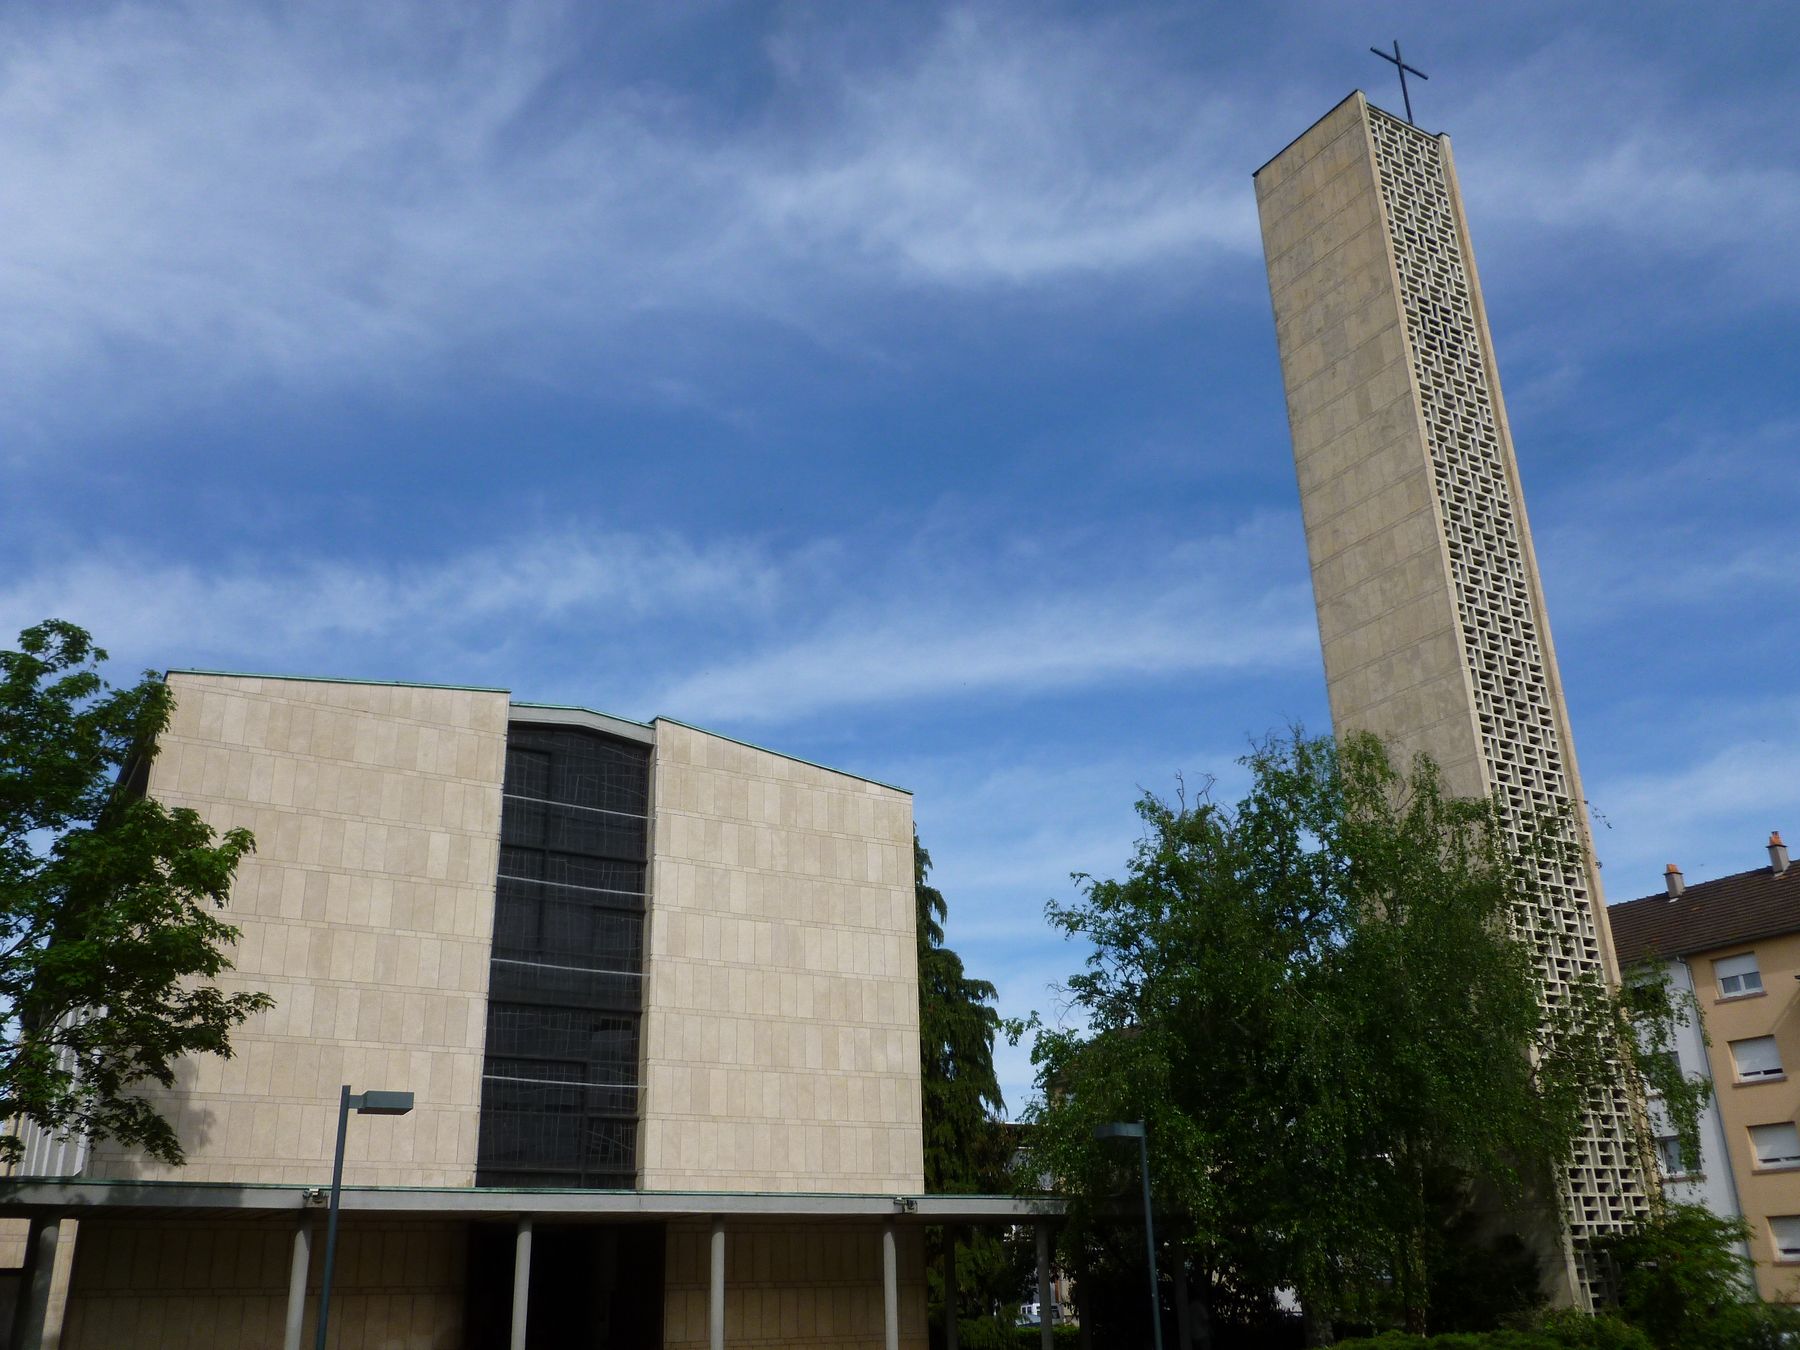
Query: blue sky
890	384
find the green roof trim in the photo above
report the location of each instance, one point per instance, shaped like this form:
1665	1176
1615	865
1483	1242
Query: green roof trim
334	679
782	754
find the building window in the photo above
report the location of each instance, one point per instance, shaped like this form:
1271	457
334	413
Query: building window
559	1083
1784	1230
1738	976
1669	1157
1776	1145
1756	1058
1665	1060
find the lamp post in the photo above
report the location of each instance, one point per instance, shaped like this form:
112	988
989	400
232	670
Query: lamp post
1134	1129
371	1103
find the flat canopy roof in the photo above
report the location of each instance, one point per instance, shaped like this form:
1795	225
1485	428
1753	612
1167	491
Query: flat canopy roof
72	1196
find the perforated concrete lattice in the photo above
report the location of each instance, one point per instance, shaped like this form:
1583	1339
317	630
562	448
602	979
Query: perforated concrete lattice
1525	760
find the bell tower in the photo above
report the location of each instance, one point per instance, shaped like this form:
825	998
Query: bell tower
1431	613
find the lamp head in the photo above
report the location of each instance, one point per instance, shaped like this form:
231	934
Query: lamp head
1120	1129
374	1103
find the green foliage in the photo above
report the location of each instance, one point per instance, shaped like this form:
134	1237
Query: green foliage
1576	1331
1684	1284
1315	1000
957	1020
1650	1010
1684	1279
989	1333
966	1147
995	1271
1579	1331
107	935
1478	1275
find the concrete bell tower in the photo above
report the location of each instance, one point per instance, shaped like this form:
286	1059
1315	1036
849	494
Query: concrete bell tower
1431	613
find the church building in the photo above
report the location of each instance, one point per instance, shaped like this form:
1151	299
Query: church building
653	992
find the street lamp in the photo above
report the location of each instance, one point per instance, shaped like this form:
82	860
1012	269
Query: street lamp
370	1103
1134	1129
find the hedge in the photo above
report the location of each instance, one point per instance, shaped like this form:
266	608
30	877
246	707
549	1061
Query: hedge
985	1333
1583	1333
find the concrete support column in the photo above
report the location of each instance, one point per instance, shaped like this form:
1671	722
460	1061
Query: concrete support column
715	1301
950	1327
34	1291
890	1286
297	1273
1046	1303
521	1310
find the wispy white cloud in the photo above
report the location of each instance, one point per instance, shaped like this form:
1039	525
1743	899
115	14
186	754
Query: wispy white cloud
240	195
1621	160
461	610
1095	636
1707	803
1011	149
730	630
1694	531
211	198
1033	623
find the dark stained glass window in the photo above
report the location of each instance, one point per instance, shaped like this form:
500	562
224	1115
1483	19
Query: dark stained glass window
559	1089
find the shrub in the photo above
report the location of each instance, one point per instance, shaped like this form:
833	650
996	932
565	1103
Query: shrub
1684	1280
1558	1331
988	1333
1578	1331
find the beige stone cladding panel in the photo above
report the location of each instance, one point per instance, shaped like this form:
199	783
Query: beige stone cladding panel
793	1285
179	1284
1763	1193
366	911
1387	619
14	1236
781	1044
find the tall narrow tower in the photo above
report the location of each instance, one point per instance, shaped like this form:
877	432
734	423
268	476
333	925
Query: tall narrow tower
1430	609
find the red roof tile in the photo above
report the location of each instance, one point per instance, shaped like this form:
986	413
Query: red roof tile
1709	914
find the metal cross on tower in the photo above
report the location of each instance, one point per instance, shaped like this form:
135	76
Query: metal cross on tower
1403	69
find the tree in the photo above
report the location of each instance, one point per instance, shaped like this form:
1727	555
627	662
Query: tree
107	936
957	1022
1685	1280
1316	1000
967	1148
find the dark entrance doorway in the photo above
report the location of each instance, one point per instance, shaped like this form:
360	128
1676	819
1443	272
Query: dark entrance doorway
593	1287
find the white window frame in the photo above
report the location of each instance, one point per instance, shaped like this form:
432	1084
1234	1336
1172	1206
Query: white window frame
1668	1156
1761	1048
1661	1056
1787	1247
1782	1156
1738	976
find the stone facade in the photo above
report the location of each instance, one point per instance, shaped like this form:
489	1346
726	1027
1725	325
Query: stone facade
781	1014
1431	614
366	911
1381	576
175	1284
793	1285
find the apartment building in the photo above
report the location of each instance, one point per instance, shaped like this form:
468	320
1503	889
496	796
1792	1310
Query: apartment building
1734	942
